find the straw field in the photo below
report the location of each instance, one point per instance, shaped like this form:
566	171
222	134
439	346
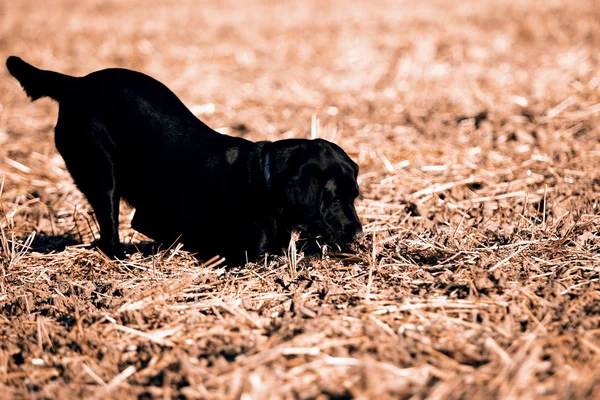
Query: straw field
476	125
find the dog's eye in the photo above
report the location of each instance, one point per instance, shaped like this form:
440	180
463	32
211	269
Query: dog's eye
336	205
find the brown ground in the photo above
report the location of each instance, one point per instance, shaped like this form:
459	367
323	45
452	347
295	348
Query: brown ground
477	130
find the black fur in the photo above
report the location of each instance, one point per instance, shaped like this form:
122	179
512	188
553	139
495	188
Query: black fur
125	135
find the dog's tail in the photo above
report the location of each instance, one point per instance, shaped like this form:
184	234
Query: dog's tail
39	83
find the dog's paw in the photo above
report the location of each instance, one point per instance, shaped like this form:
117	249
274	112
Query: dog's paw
111	251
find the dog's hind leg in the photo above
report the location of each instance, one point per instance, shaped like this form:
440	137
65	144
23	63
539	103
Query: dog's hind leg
89	156
152	225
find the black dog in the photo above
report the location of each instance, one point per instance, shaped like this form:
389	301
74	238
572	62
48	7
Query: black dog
125	135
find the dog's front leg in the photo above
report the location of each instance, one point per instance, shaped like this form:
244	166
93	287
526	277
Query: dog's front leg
262	239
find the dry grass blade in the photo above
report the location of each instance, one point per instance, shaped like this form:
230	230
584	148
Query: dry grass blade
114	383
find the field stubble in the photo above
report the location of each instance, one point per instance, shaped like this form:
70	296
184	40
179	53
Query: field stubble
476	126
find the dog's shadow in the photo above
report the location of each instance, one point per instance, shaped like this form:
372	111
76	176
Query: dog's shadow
47	244
43	243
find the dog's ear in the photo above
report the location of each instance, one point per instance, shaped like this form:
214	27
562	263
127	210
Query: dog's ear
354	168
304	190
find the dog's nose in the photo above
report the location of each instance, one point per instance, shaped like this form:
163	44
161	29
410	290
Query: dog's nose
358	234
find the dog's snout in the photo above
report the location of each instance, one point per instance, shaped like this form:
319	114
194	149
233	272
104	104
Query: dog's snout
351	233
358	233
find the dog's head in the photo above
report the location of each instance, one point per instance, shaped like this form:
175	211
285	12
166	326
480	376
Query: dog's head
319	191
